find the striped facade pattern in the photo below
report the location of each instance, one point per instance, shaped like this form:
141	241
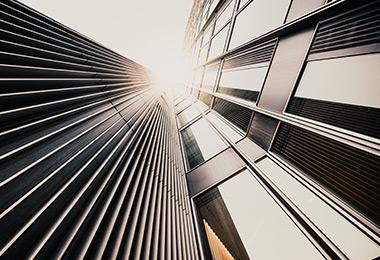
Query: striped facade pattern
90	162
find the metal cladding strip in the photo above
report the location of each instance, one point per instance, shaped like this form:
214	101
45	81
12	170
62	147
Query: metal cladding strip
90	160
90	204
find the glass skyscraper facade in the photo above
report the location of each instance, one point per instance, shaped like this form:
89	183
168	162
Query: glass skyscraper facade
280	128
270	151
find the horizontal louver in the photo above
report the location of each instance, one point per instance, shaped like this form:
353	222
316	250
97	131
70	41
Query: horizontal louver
364	120
238	115
257	54
240	93
357	27
349	173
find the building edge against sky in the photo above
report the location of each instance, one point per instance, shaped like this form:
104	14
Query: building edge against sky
272	152
280	133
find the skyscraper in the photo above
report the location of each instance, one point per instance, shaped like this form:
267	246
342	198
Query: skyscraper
90	160
271	151
281	136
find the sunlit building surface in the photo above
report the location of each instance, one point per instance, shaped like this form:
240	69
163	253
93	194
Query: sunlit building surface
90	161
281	132
270	150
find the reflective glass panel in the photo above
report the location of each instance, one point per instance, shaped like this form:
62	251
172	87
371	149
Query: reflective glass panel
259	17
187	115
240	215
345	235
244	83
200	142
224	16
217	43
342	92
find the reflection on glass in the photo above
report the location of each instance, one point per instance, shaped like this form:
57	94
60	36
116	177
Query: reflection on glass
207	34
259	17
183	104
244	83
346	236
187	115
198	77
250	224
233	135
217	43
352	80
224	16
203	54
342	92
209	77
200	142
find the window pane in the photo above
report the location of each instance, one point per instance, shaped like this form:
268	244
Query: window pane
243	83
343	92
218	42
233	135
187	115
257	18
351	174
345	235
250	224
224	16
207	34
201	142
183	104
203	55
198	77
236	114
209	77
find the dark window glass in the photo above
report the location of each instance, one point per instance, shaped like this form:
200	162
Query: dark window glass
351	174
238	115
244	83
262	130
200	142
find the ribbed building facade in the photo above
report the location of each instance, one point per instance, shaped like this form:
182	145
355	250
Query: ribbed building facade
90	161
280	133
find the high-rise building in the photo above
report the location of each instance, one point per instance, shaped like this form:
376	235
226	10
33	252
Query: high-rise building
270	152
90	162
281	134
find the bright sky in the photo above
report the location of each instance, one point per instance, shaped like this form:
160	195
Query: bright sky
151	32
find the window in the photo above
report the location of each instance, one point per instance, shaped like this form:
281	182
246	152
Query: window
205	98
209	78
236	114
183	104
259	17
241	220
343	92
198	77
218	42
207	34
200	142
244	83
224	16
350	174
187	115
219	123
354	243
203	55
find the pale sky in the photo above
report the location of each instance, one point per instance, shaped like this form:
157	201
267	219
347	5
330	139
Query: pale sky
150	32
